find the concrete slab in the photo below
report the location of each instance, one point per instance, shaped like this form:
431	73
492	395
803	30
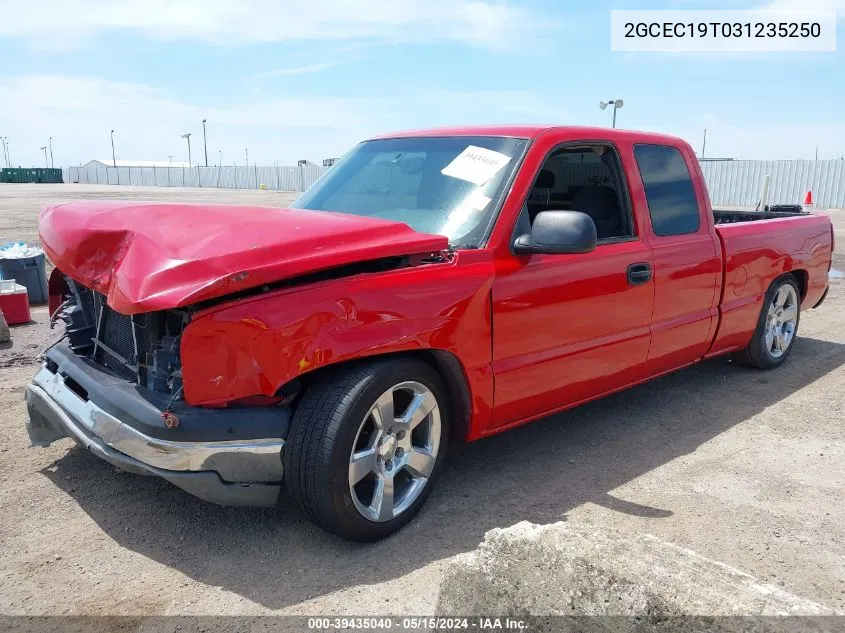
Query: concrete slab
567	569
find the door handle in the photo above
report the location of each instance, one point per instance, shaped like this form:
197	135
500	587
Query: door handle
639	273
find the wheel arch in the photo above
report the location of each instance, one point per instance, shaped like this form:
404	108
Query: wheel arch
444	362
802	278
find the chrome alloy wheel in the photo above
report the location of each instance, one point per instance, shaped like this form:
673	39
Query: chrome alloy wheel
394	451
781	321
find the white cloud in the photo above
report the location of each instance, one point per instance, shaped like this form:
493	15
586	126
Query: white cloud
60	24
79	112
299	70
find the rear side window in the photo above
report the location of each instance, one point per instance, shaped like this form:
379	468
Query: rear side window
668	189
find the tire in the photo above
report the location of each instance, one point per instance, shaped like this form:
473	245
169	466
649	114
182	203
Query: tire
761	351
352	415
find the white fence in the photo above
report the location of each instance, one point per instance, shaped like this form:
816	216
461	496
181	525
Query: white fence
739	182
733	182
279	178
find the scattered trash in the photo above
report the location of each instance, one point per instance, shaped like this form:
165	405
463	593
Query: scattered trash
19	250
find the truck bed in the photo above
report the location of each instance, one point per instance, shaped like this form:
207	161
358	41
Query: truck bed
732	216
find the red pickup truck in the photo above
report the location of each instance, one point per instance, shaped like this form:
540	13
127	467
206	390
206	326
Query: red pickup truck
433	287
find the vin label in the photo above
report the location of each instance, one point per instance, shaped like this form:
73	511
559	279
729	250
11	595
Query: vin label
756	31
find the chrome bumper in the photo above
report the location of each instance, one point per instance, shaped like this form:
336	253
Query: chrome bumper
57	411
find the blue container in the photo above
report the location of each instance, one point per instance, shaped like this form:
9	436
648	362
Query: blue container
29	272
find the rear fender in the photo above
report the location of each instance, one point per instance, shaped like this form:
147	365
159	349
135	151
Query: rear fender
758	253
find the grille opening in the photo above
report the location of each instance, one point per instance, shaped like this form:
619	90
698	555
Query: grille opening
142	348
76	388
116	333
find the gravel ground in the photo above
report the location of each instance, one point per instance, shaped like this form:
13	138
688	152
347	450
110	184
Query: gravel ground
743	466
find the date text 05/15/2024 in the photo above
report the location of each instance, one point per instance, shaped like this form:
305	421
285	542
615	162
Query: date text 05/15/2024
422	623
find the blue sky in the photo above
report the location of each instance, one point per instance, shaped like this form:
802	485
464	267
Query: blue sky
293	79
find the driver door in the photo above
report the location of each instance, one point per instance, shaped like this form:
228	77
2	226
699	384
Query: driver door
570	327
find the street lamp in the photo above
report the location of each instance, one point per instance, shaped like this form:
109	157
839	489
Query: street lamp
3	139
220	161
113	159
616	103
52	164
187	136
204	144
44	149
246	154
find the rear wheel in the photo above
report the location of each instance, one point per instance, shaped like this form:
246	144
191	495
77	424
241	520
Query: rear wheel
776	329
366	445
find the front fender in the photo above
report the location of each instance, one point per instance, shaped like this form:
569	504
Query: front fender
257	345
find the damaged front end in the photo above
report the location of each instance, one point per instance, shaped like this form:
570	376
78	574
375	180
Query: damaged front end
142	348
114	385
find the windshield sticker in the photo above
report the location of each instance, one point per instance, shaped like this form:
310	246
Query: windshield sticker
476	165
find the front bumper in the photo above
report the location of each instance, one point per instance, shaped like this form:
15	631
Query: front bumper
228	472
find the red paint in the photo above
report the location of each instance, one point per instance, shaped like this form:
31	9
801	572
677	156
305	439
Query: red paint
533	335
257	345
146	256
757	252
564	325
57	290
687	279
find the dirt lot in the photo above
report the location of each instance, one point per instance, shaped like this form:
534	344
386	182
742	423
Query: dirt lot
743	466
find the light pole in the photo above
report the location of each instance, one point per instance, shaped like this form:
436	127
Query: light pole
616	103
5	154
704	143
44	149
52	164
204	143
246	154
187	136
113	159
220	160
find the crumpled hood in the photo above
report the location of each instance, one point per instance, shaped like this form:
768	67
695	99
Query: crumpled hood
149	256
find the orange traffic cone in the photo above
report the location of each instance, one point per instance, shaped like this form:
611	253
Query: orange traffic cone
808	198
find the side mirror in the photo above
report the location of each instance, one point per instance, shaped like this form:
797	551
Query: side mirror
557	232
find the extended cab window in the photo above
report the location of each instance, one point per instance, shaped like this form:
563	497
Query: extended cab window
672	204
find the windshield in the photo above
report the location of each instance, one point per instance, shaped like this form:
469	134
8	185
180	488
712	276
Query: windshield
443	185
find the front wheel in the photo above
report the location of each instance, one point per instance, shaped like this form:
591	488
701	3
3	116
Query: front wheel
365	446
776	328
